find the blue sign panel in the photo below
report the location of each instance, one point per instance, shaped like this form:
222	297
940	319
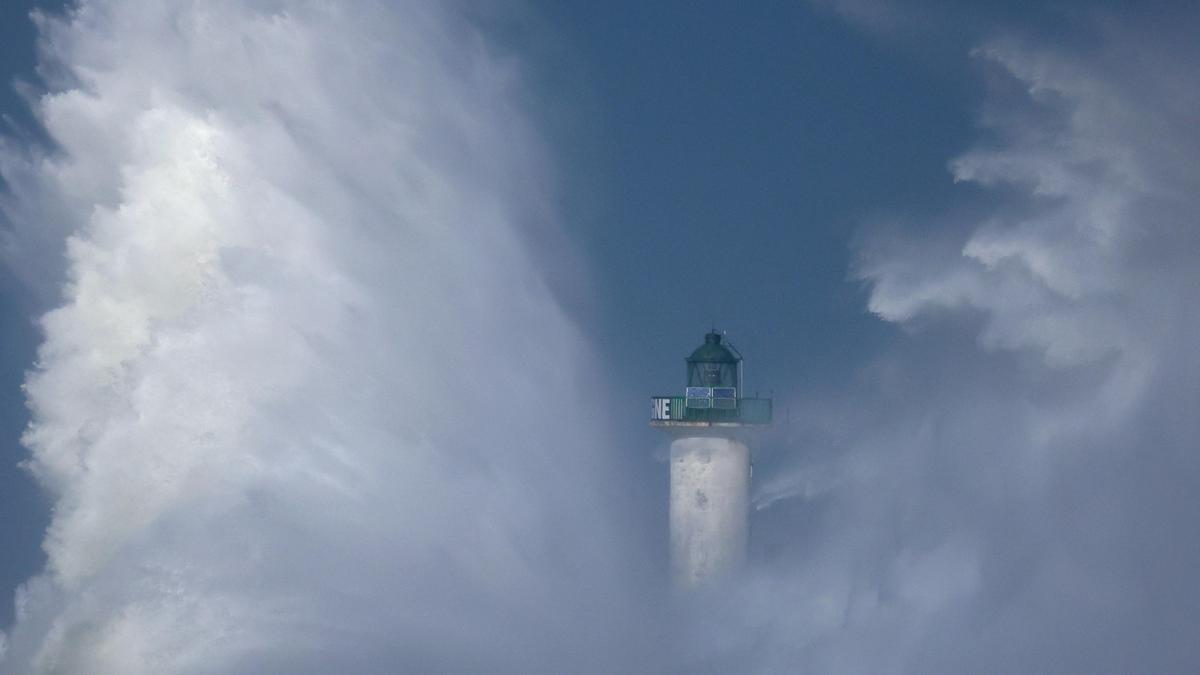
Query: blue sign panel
699	392
724	392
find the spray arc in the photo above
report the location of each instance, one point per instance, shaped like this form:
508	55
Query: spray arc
710	462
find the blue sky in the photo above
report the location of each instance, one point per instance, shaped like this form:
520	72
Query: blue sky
25	510
375	301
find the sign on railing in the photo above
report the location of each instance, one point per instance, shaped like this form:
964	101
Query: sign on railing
660	408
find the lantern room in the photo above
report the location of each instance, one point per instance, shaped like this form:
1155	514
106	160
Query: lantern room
713	395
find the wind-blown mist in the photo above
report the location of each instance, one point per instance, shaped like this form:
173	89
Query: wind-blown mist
307	403
1012	488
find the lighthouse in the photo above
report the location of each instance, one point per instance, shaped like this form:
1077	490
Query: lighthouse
710	462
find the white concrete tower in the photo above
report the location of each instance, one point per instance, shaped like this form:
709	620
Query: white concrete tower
710	463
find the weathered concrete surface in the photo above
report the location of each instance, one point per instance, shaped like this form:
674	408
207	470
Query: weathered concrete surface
710	507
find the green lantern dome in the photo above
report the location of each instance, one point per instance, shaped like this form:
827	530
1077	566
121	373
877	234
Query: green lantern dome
713	364
712	351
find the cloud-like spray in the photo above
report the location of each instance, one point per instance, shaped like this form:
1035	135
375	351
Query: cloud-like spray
1010	489
307	403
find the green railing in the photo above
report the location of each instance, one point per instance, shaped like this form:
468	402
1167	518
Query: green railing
675	409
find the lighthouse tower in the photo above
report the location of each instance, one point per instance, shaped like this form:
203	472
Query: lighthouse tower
710	462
